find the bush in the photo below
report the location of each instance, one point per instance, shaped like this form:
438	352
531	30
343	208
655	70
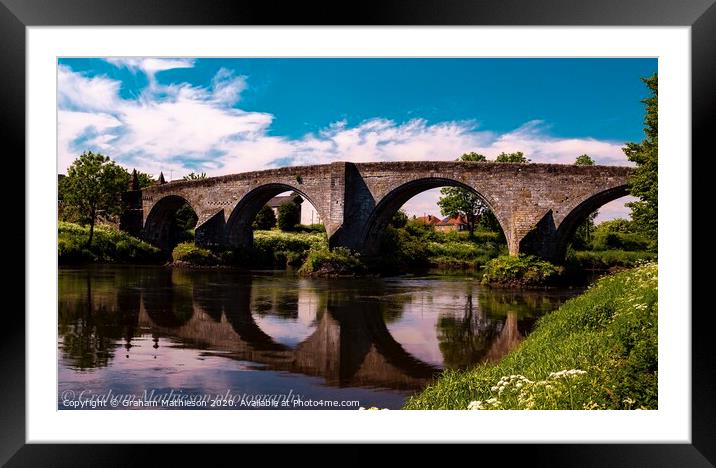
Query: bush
597	351
618	234
276	249
603	260
288	216
187	252
518	271
400	250
109	245
265	219
337	262
312	228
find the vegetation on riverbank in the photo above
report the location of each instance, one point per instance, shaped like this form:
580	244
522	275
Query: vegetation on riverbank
109	245
597	351
417	245
332	263
518	271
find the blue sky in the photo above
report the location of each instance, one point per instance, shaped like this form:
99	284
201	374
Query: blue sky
231	115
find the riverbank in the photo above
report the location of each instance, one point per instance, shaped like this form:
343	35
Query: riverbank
597	351
412	248
109	245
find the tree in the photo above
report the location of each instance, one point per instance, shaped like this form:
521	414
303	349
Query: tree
643	182
94	185
265	218
194	176
517	157
459	201
399	219
583	233
145	180
472	157
584	160
288	216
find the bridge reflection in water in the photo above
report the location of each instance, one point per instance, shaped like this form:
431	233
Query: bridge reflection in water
395	334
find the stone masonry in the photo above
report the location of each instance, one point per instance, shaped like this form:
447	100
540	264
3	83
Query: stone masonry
539	206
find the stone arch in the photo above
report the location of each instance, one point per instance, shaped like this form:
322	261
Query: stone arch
239	232
393	200
549	241
158	229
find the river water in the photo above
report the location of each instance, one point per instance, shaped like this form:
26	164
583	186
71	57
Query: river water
157	337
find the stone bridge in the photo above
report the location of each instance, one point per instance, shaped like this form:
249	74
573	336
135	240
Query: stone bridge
538	206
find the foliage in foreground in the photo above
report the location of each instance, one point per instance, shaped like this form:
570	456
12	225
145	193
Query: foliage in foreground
597	351
518	271
337	262
109	246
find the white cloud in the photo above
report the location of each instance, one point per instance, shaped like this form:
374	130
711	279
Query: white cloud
71	125
78	92
179	128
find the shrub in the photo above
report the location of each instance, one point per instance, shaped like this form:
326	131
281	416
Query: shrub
337	262
603	260
518	271
265	218
288	216
276	249
187	252
312	228
401	250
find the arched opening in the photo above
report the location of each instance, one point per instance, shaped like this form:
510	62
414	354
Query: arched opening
576	230
272	207
430	212
172	220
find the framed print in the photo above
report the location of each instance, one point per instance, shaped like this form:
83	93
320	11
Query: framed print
240	222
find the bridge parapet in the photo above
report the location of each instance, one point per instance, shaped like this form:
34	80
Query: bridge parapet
537	205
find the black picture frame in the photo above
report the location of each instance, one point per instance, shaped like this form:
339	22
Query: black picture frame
16	15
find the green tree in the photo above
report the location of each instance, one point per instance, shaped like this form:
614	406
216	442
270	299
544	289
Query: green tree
186	220
93	186
583	233
644	180
194	176
459	201
288	216
145	180
399	219
472	157
265	219
517	157
584	160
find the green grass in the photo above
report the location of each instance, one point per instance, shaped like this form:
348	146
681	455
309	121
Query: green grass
109	245
597	351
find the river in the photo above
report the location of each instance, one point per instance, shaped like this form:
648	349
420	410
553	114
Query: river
157	337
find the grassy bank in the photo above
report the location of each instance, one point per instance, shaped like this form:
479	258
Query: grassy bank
108	246
597	351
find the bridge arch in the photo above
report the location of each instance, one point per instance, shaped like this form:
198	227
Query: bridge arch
549	240
390	203
239	230
160	225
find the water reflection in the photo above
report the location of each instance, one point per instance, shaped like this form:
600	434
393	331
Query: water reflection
391	334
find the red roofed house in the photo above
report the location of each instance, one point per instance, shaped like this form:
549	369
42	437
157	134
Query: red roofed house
452	223
429	219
